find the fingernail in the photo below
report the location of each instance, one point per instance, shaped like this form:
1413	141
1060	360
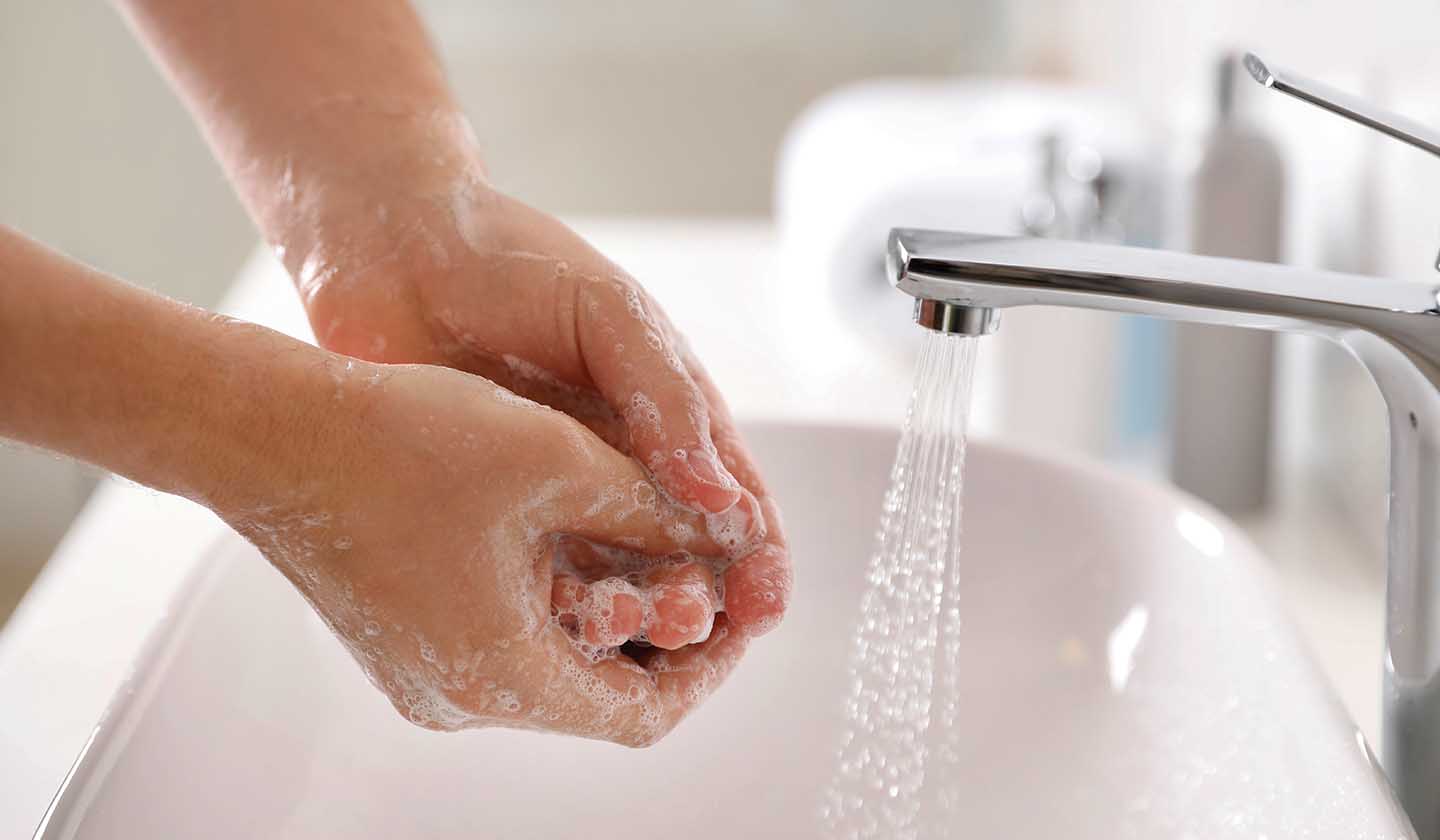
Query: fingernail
738	528
706	628
758	589
706	467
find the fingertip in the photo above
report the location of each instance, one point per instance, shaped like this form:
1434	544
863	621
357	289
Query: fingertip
695	479
681	617
683	604
738	529
714	488
602	634
627	616
611	613
757	590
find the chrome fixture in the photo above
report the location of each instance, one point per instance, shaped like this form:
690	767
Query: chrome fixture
1347	106
1392	326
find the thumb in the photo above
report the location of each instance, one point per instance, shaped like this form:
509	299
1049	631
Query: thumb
634	364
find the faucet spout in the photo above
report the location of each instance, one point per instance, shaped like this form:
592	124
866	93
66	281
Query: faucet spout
953	319
1391	326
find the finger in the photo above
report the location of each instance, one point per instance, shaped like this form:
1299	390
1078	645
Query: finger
566	593
588	598
616	700
538	385
619	505
757	586
724	432
757	589
612	613
594	594
682	605
632	361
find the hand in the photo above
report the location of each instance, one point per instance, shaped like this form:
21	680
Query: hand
437	506
439	268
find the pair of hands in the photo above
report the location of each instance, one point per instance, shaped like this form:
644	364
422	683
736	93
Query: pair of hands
482	545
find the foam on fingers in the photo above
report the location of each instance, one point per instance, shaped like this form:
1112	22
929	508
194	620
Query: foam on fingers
628	508
758	585
613	612
682	605
605	613
632	359
757	589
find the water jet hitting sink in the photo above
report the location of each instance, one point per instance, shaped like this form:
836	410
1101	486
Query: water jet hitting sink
961	281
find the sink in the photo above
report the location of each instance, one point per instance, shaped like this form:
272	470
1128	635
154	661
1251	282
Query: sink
1128	673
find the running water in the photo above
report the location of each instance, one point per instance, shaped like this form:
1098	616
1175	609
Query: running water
891	778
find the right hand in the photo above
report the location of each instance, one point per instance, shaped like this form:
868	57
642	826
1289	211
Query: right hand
439	505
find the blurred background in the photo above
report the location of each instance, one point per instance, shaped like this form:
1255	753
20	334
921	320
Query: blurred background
797	132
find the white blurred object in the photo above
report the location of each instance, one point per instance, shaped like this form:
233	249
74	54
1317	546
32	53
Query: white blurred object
1000	157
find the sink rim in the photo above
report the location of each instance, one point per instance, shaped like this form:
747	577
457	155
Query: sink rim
125	710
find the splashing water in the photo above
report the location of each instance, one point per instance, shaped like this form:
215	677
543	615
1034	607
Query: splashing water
891	779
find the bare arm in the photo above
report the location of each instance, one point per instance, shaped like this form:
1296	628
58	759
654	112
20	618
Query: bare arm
338	129
400	501
165	394
300	100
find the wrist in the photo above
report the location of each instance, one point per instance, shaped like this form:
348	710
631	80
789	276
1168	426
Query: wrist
226	413
271	437
345	164
361	240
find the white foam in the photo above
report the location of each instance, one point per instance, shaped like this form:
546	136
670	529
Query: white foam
739	530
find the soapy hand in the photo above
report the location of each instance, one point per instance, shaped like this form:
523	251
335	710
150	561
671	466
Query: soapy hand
428	538
437	267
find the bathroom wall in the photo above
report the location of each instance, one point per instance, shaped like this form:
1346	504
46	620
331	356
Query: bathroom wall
665	109
97	159
682	105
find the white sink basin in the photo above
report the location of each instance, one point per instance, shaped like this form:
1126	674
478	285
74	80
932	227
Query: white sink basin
1129	675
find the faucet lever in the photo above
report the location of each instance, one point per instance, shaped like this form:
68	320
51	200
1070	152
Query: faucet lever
1350	107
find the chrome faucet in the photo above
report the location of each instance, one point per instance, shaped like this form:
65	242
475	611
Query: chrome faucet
962	281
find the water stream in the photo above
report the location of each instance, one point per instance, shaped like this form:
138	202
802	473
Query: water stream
895	757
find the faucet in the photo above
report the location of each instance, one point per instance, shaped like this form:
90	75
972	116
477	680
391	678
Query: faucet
962	282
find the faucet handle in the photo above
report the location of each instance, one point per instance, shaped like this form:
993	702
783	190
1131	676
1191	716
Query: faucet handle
1347	106
1350	107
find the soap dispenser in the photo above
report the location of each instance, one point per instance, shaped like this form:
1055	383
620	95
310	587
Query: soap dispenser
1224	377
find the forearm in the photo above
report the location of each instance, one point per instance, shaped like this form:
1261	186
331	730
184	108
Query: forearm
165	394
305	101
